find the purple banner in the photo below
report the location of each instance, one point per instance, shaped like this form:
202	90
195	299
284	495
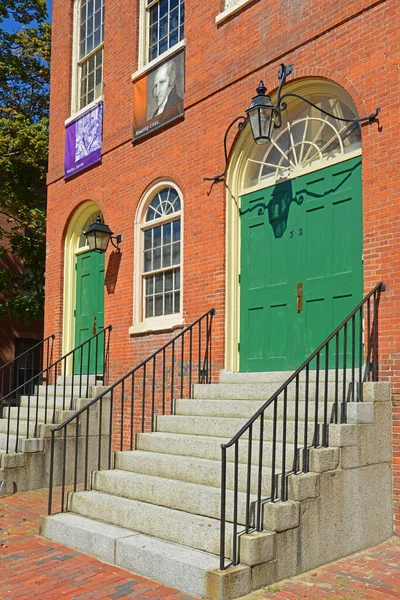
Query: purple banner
83	141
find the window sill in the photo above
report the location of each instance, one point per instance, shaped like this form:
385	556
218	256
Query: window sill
153	63
167	323
231	10
83	110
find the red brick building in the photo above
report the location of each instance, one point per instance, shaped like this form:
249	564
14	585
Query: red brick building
345	58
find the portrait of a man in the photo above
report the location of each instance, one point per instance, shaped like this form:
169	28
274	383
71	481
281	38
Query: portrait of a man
158	96
164	100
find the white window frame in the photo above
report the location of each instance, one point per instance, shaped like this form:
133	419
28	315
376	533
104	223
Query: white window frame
165	322
76	78
143	57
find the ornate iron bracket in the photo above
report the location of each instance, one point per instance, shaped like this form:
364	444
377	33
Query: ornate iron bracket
241	125
277	110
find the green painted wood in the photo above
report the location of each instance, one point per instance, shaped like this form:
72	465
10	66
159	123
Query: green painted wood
89	304
306	230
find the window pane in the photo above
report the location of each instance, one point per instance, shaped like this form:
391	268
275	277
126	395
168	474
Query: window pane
173	4
159	283
176	253
167	233
168	304
147	239
163	7
166	256
163	27
177	302
157	236
157	259
173	20
163	47
147	261
97	38
168	281
177	279
149	285
158	306
90	26
174	38
176	228
149	307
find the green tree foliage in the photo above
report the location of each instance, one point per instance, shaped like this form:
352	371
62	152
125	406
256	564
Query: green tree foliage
24	105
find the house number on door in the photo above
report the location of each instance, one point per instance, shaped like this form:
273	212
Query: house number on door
292	233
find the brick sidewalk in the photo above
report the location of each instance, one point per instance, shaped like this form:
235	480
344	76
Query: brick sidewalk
32	567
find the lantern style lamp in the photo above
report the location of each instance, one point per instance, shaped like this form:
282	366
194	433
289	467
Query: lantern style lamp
98	236
264	116
261	116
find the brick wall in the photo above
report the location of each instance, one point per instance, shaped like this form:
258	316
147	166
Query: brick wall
352	42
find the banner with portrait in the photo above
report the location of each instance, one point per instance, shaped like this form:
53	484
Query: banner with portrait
158	96
83	141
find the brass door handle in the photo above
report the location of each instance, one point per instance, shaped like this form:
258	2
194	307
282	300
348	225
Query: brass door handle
94	328
299	299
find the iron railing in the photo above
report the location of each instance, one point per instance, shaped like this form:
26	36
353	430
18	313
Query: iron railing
258	460
26	365
87	440
87	362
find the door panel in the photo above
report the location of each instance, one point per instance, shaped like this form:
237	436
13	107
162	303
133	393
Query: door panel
89	306
306	230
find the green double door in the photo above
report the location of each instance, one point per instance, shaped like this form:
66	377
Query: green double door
301	265
89	312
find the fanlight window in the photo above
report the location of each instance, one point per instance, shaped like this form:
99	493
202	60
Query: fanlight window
162	254
83	243
307	140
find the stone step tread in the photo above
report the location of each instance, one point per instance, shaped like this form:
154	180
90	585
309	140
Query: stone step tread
177	566
12	427
180	495
195	531
23	414
281	377
207	447
189	469
246	408
59	390
262	391
195	470
212	426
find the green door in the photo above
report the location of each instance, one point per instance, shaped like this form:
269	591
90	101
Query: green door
304	231
89	312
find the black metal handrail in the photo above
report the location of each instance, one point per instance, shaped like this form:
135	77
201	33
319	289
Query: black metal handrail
90	355
27	361
130	405
356	328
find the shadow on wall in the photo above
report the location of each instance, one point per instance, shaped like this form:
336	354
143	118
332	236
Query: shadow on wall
110	280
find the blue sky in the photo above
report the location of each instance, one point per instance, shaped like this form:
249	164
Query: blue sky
9	24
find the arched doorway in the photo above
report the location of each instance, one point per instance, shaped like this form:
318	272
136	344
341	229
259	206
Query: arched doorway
296	207
83	289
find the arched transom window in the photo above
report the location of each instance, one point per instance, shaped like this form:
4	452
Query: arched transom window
161	274
307	140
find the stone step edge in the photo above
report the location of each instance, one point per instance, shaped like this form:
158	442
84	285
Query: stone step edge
177	566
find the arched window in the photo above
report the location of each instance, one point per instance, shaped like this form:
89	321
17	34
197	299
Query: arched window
158	266
162	255
308	139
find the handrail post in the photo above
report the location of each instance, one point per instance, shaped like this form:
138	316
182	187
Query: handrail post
51	472
223	508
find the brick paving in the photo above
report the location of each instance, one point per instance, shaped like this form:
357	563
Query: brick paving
32	567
